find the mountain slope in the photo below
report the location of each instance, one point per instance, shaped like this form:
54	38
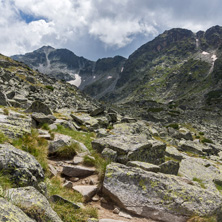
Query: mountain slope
177	65
65	65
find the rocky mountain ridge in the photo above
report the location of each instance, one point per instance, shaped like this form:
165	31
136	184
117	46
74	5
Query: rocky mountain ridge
96	78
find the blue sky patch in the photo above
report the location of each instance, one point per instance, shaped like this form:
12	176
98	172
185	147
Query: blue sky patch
29	18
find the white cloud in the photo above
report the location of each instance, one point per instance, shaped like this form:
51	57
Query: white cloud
114	23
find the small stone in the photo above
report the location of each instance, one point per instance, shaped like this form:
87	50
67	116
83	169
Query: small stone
68	184
95	198
87	191
116	210
52	170
74	179
77	159
125	215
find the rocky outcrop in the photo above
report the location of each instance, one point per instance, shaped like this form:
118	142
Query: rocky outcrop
132	147
20	166
33	203
39	107
158	196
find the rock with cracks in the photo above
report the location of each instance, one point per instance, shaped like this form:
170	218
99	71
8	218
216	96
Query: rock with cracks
158	196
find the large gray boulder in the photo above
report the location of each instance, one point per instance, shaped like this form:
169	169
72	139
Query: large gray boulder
11	213
39	107
33	203
158	196
132	148
41	118
21	166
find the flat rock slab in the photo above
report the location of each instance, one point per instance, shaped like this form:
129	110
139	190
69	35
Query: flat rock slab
158	196
202	170
174	153
85	119
144	166
87	191
77	171
14	126
134	147
110	220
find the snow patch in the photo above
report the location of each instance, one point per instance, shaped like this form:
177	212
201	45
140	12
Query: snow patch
122	69
214	58
77	80
94	77
109	77
205	53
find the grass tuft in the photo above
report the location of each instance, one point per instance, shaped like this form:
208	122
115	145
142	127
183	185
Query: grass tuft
68	152
34	145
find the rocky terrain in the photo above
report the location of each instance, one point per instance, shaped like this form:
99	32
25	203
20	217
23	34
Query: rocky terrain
65	157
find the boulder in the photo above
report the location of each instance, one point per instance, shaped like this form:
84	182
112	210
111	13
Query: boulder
33	203
21	166
158	196
41	118
77	171
14	126
182	133
144	166
3	99
85	119
97	111
132	148
9	212
109	154
39	107
193	147
87	191
170	167
174	153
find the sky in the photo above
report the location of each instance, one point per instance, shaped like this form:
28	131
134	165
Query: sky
98	28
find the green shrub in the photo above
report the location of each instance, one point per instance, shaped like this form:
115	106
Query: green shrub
50	87
173	125
205	140
6	111
201	133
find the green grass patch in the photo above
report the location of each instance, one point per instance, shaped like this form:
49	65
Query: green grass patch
49	87
3	137
65	210
45	126
201	133
89	160
34	145
200	182
203	219
85	138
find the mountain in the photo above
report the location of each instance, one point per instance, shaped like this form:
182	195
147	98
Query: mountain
178	65
65	65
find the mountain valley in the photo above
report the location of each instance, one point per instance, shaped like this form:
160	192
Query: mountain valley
150	149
